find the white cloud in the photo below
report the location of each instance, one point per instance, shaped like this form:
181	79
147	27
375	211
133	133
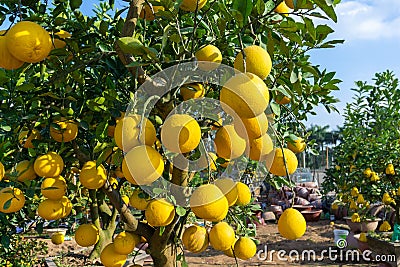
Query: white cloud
368	20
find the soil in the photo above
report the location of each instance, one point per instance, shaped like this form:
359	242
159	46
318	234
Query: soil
318	237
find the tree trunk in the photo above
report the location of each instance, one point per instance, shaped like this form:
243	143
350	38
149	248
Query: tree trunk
104	239
163	256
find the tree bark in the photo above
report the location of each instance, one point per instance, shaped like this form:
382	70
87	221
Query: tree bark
163	257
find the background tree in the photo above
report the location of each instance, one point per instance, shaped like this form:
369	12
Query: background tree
107	56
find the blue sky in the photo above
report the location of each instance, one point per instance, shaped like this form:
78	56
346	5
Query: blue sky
371	30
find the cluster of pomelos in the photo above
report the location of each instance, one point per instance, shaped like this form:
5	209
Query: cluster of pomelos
27	41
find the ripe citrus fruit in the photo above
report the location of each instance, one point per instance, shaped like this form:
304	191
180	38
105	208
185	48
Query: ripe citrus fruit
67	206
2	171
390	169
57	238
228	144
209	162
209	203
229	189
291	224
260	147
49	165
191	5
110	258
297	146
93	177
180	133
50	209
258	61
7	61
251	128
127	129
246	94
58	42
11	200
229	251
208	53
276	165
124	242
25	171
148	14
136	201
244	194
221	236
35	135
282	8
86	235
54	187
193	90
245	248
142	165
195	239
159	212
65	131
29	42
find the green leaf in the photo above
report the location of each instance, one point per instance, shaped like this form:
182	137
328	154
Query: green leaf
131	45
158	191
181	211
310	27
7	204
275	108
74	4
328	10
5	240
243	6
26	87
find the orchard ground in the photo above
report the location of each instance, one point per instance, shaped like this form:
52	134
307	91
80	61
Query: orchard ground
319	236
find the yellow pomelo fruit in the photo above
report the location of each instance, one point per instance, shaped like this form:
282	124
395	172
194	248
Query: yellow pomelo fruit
50	209
246	94
35	135
251	128
260	147
180	133
92	177
109	257
244	194
193	90
297	146
228	144
258	61
137	202
229	189
229	251
67	206
245	248
191	5
57	238
147	14
209	53
54	187
11	200
7	61
221	236
195	239
86	235
25	171
58	42
124	242
28	42
159	212
281	99
49	165
127	129
276	165
282	8
291	224
209	203
2	171
142	165
66	131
